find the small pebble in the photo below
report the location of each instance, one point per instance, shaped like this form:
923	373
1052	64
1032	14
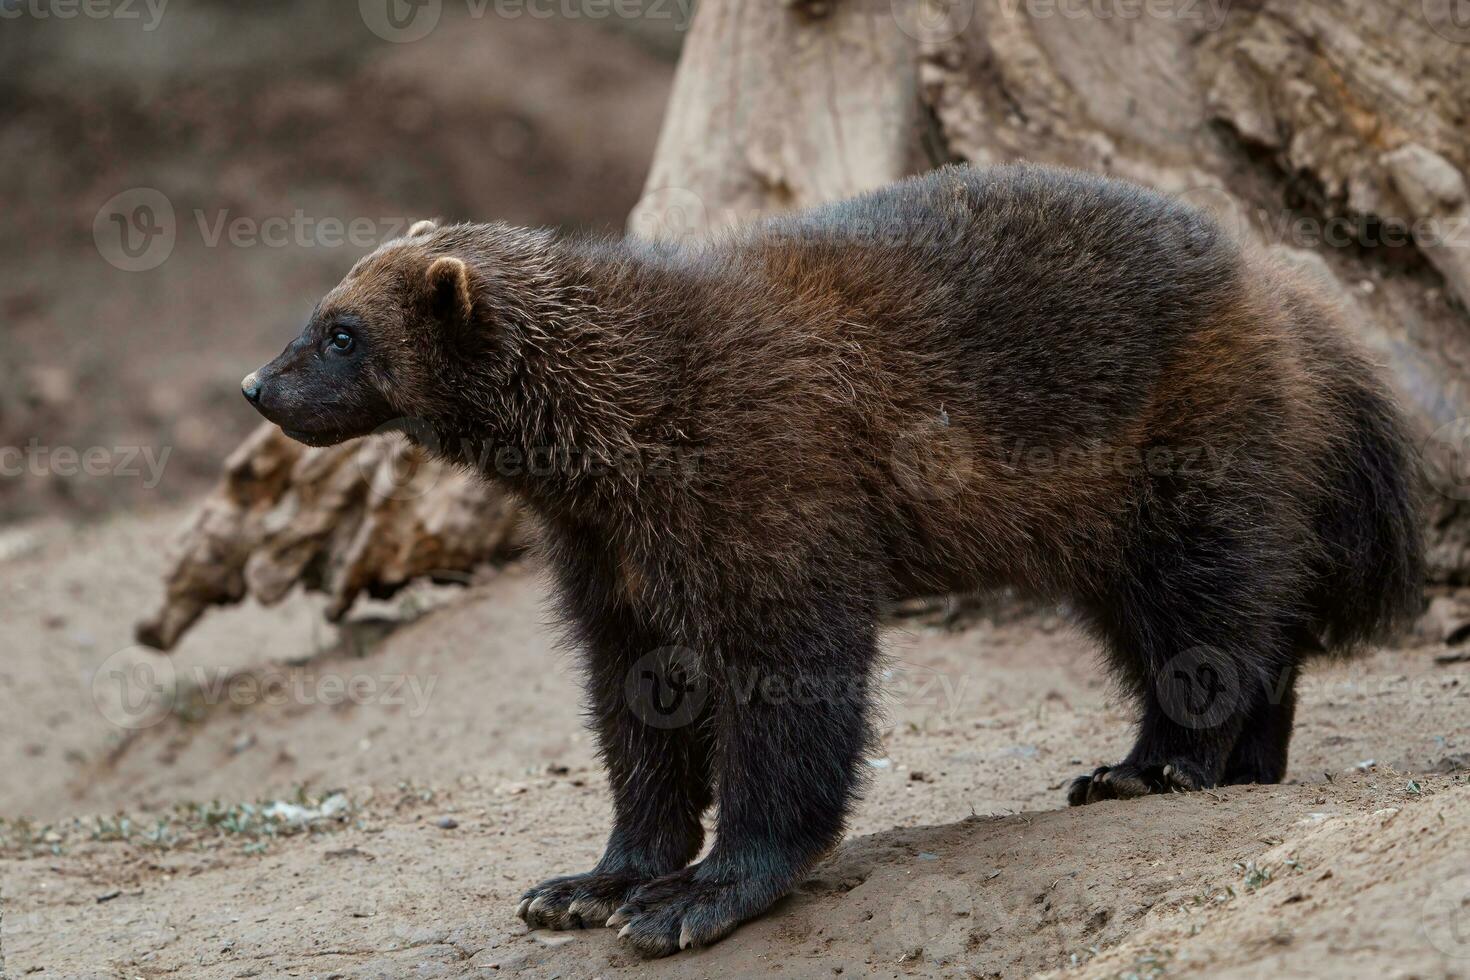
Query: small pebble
446	823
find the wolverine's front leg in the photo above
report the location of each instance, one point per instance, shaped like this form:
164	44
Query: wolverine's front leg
645	713
790	728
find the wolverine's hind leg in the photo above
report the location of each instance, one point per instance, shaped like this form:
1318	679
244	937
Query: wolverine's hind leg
1260	752
1189	626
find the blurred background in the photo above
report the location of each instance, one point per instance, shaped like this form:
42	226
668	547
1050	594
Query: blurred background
287	139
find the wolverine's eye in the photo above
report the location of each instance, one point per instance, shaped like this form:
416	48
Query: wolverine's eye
341	342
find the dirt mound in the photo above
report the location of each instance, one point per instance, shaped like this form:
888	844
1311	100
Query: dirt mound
449	722
1362	878
1345	893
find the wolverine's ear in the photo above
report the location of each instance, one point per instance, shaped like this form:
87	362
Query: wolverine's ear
449	285
422	227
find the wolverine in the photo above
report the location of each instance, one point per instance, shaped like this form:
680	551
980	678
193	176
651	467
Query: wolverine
740	449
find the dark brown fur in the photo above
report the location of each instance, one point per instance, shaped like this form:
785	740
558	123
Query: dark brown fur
1016	376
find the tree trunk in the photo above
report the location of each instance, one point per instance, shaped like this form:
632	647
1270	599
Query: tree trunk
1332	131
1323	129
782	106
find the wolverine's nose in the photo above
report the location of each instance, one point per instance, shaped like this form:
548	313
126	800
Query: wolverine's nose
251	387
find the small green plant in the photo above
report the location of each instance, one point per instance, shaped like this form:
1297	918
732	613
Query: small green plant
1077	959
1211	895
1148	965
196	824
1256	876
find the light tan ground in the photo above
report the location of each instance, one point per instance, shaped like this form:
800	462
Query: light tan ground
470	779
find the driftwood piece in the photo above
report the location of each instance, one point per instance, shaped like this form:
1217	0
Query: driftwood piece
1320	128
367	517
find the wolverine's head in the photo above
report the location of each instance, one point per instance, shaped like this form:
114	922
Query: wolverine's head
385	344
369	347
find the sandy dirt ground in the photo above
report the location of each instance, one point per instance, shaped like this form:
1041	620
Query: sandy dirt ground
428	764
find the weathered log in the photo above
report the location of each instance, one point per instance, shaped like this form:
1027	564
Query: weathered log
367	517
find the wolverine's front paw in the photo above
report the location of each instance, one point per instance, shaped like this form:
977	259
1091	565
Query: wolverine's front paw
577	901
681	910
1125	781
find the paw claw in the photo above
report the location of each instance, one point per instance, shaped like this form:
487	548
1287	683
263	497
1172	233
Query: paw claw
626	931
1127	781
685	940
618	918
577	901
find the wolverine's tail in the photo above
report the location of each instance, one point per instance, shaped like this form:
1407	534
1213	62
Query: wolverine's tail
1371	553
